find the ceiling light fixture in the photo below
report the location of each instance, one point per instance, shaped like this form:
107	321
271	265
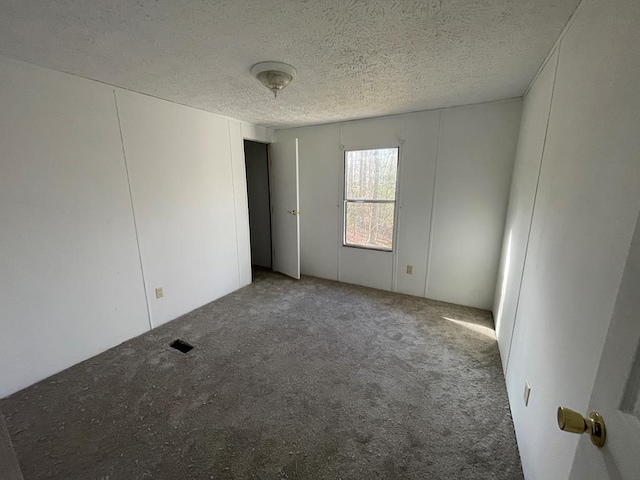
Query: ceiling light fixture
274	75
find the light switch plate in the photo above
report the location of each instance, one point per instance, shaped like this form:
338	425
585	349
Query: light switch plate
410	269
527	393
159	292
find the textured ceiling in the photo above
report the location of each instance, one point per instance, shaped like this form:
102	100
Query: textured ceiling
355	58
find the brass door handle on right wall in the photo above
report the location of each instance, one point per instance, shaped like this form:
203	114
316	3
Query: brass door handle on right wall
573	422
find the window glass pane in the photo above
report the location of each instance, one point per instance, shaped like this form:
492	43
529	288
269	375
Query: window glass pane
369	224
371	174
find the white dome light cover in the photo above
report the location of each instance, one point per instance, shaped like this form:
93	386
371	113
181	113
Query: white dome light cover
274	75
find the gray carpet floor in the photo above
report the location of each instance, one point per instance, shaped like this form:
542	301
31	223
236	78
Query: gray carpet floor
308	379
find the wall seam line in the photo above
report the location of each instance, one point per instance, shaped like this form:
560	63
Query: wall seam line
133	212
235	199
535	199
433	208
398	208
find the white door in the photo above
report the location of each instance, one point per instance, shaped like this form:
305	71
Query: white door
283	158
616	391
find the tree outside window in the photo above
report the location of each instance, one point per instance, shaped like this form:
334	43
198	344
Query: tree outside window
370	197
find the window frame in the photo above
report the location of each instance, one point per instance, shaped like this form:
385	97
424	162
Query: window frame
346	200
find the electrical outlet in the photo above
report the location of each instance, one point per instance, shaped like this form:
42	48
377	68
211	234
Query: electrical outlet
159	292
527	392
410	269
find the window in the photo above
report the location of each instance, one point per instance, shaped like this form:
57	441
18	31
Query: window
370	198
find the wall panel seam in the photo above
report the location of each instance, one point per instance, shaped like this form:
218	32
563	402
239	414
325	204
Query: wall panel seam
133	212
235	200
535	199
433	209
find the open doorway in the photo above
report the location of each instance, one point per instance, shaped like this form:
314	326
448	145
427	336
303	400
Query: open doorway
258	192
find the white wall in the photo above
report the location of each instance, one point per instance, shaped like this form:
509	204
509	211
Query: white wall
475	163
466	154
524	186
417	181
180	171
257	166
70	276
587	202
71	282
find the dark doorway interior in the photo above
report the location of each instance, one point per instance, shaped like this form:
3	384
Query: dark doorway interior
257	167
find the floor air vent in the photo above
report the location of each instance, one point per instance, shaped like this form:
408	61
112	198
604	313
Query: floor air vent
181	345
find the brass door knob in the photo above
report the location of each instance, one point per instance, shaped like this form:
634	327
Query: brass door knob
573	422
